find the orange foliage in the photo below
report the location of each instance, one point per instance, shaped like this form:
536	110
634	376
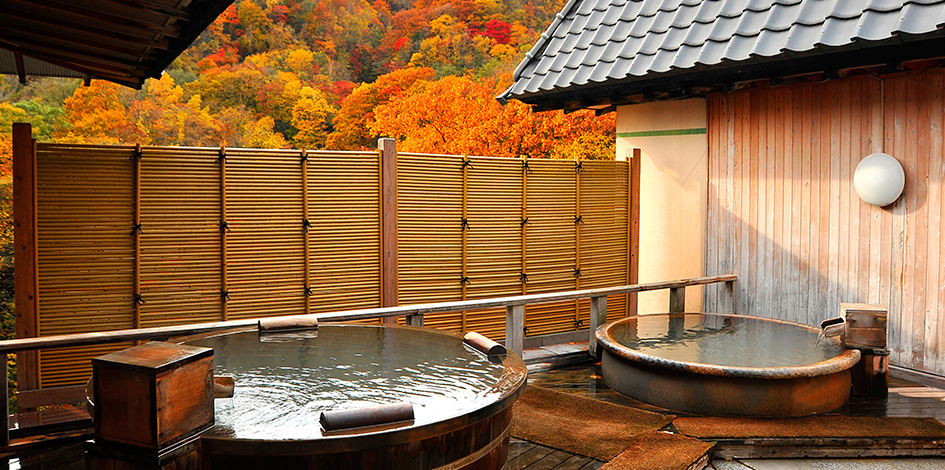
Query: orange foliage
352	123
457	115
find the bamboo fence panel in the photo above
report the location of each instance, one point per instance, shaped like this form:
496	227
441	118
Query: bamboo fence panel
493	239
430	233
85	250
603	245
551	243
180	236
265	261
345	234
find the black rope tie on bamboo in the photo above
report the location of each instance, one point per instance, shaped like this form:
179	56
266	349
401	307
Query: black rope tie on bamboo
136	153
464	223
224	227
306	225
577	272
224	295
579	166
525	167
464	280
525	330
578	323
308	291
467	163
136	230
578	219
139	300
222	155
524	278
304	157
524	221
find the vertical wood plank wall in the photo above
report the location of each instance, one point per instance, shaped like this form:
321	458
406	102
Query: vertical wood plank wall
783	214
100	270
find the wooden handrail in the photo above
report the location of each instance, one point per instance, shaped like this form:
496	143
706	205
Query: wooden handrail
515	317
79	339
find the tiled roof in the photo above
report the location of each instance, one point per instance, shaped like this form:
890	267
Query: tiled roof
593	43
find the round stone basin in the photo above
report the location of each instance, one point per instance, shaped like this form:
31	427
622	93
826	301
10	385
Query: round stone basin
726	365
284	381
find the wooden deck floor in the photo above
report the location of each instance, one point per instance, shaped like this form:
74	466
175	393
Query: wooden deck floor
906	399
525	455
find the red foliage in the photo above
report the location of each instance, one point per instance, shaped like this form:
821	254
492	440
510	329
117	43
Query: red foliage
279	13
499	31
400	43
341	89
226	55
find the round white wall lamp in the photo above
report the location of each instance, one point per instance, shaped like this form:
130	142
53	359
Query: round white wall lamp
879	179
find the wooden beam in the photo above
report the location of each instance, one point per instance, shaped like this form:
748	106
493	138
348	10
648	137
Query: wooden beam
51	396
633	276
26	279
20	68
388	154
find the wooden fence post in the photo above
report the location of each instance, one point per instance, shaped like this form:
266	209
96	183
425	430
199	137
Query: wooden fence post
514	328
388	151
598	318
25	263
677	299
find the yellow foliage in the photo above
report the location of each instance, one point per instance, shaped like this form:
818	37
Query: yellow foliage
300	59
260	134
503	51
310	116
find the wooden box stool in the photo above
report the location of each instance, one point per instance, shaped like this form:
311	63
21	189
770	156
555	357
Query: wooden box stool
153	396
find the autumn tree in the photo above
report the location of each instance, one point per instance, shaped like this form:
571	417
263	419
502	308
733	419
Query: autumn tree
98	114
458	115
352	124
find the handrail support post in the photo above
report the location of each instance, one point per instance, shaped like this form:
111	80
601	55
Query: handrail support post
515	328
5	394
598	318
677	299
415	320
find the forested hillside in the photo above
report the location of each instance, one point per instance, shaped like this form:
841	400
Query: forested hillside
332	74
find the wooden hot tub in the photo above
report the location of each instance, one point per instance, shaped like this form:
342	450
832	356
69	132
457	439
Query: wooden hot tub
726	365
283	382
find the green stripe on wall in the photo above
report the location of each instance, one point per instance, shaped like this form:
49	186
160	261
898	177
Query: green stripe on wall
693	131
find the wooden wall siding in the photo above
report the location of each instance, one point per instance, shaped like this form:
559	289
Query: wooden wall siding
783	214
98	272
497	192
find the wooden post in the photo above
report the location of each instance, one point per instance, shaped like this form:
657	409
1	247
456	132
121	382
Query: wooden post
306	248
25	263
388	150
633	220
677	299
4	393
414	320
224	282
464	278
514	328
136	233
598	318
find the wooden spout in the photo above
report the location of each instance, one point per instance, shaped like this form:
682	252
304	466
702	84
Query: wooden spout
486	345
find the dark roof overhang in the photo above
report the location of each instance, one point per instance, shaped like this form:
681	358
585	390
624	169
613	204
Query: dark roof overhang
122	41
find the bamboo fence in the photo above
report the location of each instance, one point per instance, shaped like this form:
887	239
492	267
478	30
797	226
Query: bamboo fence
133	237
